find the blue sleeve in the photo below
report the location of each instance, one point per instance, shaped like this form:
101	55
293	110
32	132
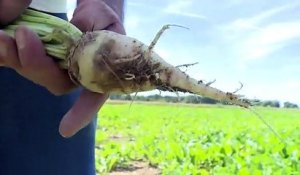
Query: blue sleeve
29	139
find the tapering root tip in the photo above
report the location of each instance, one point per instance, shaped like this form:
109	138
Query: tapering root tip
237	100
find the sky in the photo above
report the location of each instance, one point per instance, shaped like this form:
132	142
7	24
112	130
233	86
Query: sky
253	42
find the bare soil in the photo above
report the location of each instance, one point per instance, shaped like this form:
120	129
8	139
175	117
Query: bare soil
136	168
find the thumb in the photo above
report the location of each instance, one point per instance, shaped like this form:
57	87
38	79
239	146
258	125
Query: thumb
31	50
82	113
37	66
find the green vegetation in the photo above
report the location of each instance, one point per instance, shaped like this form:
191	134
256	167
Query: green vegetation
193	99
192	139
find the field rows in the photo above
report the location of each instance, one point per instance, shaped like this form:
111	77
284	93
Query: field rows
204	140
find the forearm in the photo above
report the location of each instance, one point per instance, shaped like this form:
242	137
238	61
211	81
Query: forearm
116	5
11	9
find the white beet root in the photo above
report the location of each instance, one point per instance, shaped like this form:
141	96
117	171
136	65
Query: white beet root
107	62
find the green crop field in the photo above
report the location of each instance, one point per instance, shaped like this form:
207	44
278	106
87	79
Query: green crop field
186	139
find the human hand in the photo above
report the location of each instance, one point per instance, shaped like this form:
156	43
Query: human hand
88	16
11	9
97	15
26	55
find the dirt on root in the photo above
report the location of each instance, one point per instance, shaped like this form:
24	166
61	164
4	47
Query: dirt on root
136	168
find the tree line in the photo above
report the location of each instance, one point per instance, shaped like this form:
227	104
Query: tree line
192	99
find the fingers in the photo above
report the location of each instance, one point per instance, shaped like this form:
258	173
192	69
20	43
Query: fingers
11	9
8	52
37	66
82	113
100	16
88	16
27	56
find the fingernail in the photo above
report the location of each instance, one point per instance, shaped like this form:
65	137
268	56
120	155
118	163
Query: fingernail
65	128
3	50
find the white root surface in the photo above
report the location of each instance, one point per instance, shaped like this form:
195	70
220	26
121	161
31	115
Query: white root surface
107	62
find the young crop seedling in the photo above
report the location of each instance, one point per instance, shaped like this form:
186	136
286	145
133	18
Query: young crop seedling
108	62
